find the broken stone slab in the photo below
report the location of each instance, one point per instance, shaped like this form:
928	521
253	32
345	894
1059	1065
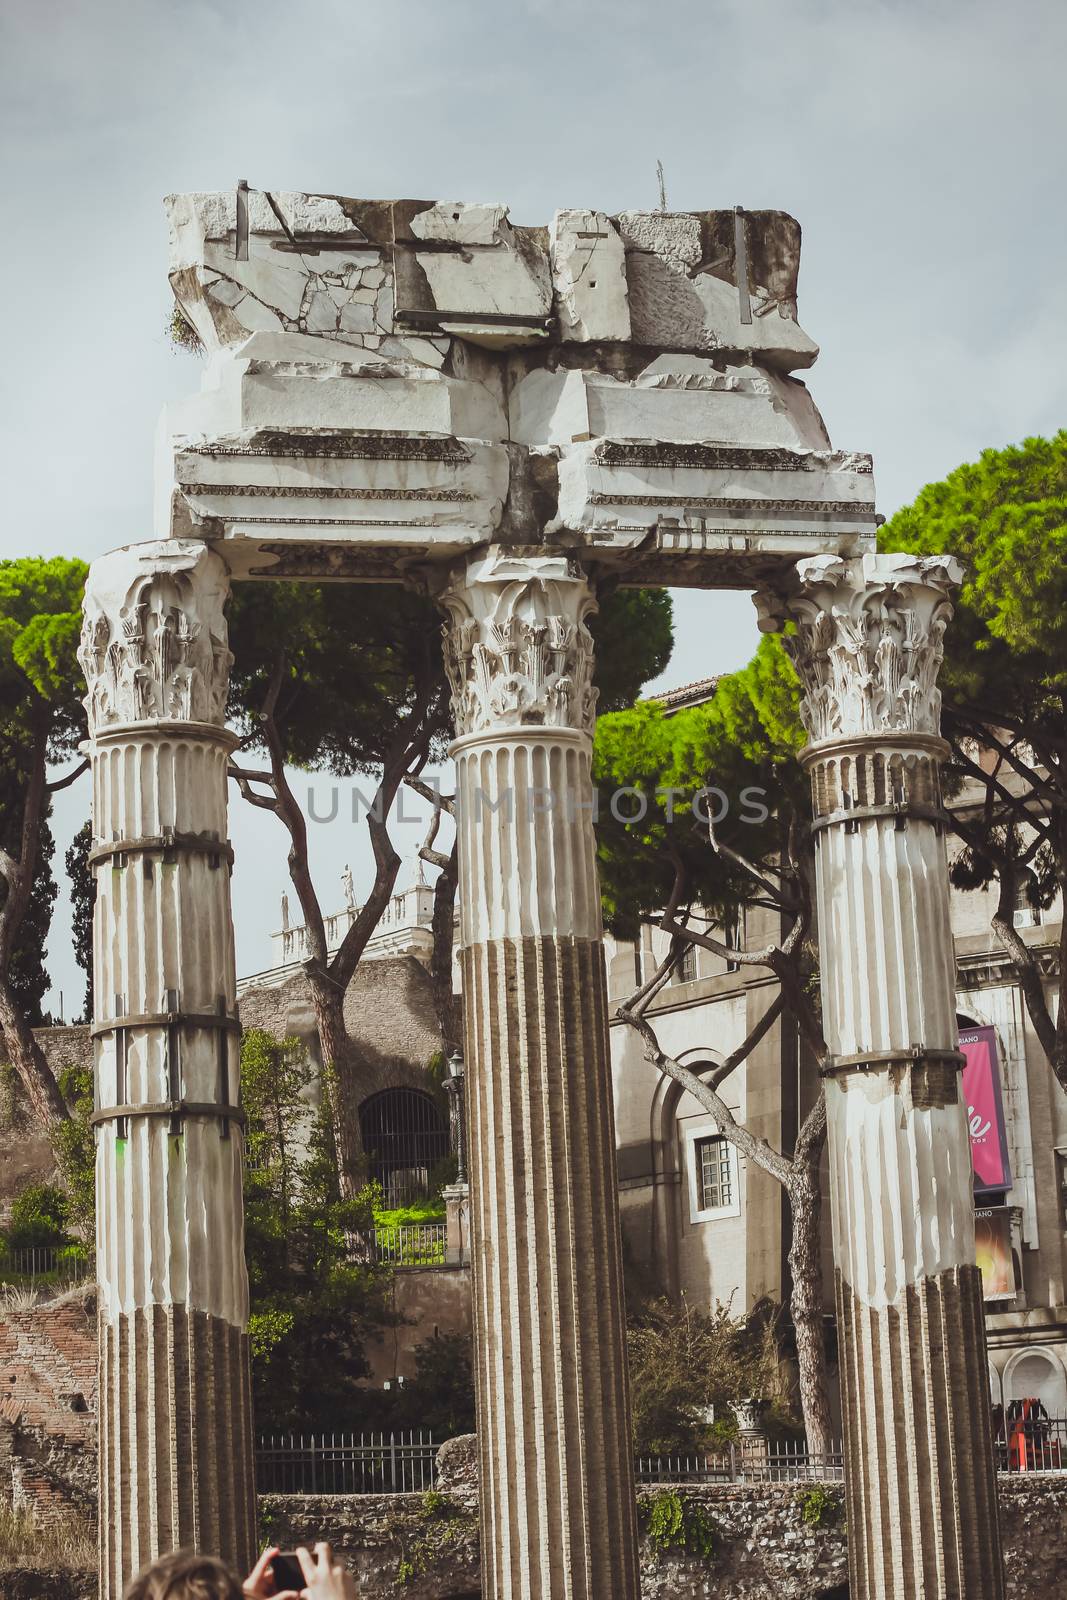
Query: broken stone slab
702	498
466	269
397	397
589	277
696	404
716	281
719	283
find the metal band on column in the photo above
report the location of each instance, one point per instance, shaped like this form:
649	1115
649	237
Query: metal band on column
915	1390
176	1459
558	1511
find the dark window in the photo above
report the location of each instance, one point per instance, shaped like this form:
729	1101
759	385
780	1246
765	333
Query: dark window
404	1136
685	968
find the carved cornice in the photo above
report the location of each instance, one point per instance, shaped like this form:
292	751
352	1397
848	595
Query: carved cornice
154	638
517	649
868	641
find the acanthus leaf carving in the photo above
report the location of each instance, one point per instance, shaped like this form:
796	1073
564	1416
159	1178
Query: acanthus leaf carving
869	641
154	640
517	649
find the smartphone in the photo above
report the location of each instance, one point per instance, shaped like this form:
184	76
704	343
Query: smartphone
288	1573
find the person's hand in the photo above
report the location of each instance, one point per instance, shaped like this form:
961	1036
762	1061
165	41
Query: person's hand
259	1585
325	1580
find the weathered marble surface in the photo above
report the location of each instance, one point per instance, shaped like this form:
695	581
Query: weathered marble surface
385	378
867	649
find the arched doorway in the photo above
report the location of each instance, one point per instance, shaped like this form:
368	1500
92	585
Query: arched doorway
1037	1374
404	1136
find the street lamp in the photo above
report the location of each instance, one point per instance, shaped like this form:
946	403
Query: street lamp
455	1089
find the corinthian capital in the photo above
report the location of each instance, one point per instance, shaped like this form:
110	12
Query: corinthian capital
154	640
517	650
868	642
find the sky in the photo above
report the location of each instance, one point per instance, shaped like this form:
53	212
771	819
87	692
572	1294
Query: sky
919	142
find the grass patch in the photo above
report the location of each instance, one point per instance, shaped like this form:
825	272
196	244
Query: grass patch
25	1543
411	1216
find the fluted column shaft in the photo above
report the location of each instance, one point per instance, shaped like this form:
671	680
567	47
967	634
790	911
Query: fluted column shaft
176	1456
915	1391
558	1515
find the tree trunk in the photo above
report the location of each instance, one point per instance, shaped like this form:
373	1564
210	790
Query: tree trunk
446	1003
806	1306
29	1061
347	1085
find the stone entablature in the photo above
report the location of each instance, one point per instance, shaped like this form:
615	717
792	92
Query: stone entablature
384	374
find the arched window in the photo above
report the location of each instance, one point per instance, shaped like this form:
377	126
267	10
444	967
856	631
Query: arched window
404	1136
1038	1376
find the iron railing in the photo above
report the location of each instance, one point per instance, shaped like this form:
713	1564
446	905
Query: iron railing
685	1468
346	1463
746	1461
1032	1444
45	1262
419	1244
384	1463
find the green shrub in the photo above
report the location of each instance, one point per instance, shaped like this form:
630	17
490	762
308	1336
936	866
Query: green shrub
819	1507
672	1523
181	333
38	1218
74	1148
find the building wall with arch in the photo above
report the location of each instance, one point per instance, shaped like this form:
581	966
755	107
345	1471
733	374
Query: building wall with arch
733	1254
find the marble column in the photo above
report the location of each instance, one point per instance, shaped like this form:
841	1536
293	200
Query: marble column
176	1454
558	1516
921	1485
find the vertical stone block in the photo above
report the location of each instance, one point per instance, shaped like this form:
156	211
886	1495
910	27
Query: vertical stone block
558	1510
915	1390
176	1460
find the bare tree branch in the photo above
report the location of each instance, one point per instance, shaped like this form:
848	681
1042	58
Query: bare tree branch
71	777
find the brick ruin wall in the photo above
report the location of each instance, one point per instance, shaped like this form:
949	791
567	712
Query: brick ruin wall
48	1405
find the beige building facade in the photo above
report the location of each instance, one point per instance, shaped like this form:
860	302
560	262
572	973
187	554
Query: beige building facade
701	1221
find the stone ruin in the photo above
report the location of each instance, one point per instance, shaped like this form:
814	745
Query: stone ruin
509	417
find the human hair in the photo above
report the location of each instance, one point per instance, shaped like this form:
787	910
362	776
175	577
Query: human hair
185	1575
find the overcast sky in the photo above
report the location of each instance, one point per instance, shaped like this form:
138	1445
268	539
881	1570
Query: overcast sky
919	142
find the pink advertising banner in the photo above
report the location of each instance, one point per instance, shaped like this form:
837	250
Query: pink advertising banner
985	1109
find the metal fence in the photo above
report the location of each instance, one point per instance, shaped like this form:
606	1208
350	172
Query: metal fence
1032	1444
346	1463
685	1469
746	1461
55	1266
420	1244
383	1463
1023	1444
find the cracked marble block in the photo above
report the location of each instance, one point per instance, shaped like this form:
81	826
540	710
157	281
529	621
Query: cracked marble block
379	369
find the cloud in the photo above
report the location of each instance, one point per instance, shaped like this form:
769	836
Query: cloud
918	141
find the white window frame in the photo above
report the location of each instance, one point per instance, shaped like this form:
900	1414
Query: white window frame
698	1213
